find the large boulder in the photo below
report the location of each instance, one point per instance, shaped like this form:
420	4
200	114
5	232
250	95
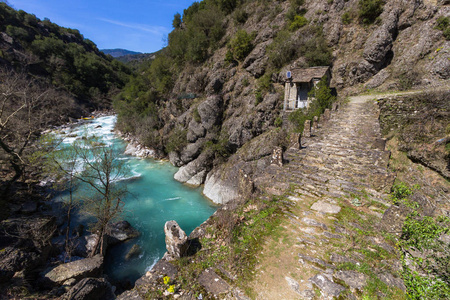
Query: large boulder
379	43
90	289
120	232
194	173
218	188
24	244
176	240
216	83
195	131
87	267
174	158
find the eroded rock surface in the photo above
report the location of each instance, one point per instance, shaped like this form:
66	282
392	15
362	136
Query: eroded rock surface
176	239
87	267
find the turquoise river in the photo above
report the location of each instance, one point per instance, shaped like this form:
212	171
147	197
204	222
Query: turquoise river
154	198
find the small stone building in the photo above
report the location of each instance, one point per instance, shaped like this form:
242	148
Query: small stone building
300	83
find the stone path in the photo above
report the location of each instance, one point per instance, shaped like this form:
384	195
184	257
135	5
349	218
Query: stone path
339	183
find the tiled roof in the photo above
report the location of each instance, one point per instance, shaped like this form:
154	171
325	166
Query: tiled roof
306	75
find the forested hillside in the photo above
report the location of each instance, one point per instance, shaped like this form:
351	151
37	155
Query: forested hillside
219	82
48	75
119	52
58	56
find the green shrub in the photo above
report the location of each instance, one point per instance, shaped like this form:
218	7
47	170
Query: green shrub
298	118
229	56
282	50
399	192
443	25
298	22
278	122
227	6
346	18
220	147
296	3
290	15
176	23
316	50
17	33
177	140
422	234
259	97
241	45
196	116
369	10
323	96
446	33
240	16
265	83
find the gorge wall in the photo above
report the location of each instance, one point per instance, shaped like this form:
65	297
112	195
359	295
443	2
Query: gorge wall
218	104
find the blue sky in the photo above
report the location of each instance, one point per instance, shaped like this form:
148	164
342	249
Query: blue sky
136	25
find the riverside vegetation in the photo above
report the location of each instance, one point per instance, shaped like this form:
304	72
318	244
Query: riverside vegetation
211	102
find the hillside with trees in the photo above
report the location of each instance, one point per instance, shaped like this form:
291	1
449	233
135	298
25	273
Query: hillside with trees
48	75
219	83
58	56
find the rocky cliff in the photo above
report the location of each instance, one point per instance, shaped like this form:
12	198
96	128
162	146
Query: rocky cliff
215	105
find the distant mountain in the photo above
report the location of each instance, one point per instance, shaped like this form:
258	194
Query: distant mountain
119	52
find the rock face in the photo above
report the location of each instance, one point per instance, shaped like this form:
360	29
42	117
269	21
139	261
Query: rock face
379	43
135	149
218	189
176	239
420	122
87	267
90	289
222	183
194	173
24	245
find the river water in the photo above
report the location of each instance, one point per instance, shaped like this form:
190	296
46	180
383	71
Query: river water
154	198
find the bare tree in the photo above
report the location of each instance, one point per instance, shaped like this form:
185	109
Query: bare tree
26	108
63	164
102	172
17	124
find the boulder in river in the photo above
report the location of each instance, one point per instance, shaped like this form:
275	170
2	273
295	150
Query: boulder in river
176	240
134	251
120	232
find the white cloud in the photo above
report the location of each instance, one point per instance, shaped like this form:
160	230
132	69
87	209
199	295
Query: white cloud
157	30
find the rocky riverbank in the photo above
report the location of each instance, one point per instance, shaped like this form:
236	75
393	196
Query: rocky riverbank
33	254
321	221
